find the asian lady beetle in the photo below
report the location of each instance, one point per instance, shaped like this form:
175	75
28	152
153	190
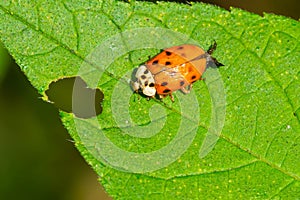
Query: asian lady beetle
175	68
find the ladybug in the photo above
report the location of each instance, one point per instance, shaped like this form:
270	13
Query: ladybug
175	68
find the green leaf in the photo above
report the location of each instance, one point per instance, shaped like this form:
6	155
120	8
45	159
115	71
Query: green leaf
4	57
190	149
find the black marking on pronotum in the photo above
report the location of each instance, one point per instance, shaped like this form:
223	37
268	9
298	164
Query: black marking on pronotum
166	90
146	71
164	83
151	85
146	83
143	77
155	62
168	53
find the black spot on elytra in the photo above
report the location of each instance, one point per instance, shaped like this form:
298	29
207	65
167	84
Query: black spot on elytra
166	90
164	83
143	77
181	83
151	85
155	62
180	47
193	77
168	53
168	63
146	71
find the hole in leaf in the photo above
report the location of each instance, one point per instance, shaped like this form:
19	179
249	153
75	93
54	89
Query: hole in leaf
73	95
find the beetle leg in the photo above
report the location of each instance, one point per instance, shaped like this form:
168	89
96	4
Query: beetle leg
186	89
212	48
161	96
171	97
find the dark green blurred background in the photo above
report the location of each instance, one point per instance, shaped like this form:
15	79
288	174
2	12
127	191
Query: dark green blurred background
38	158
